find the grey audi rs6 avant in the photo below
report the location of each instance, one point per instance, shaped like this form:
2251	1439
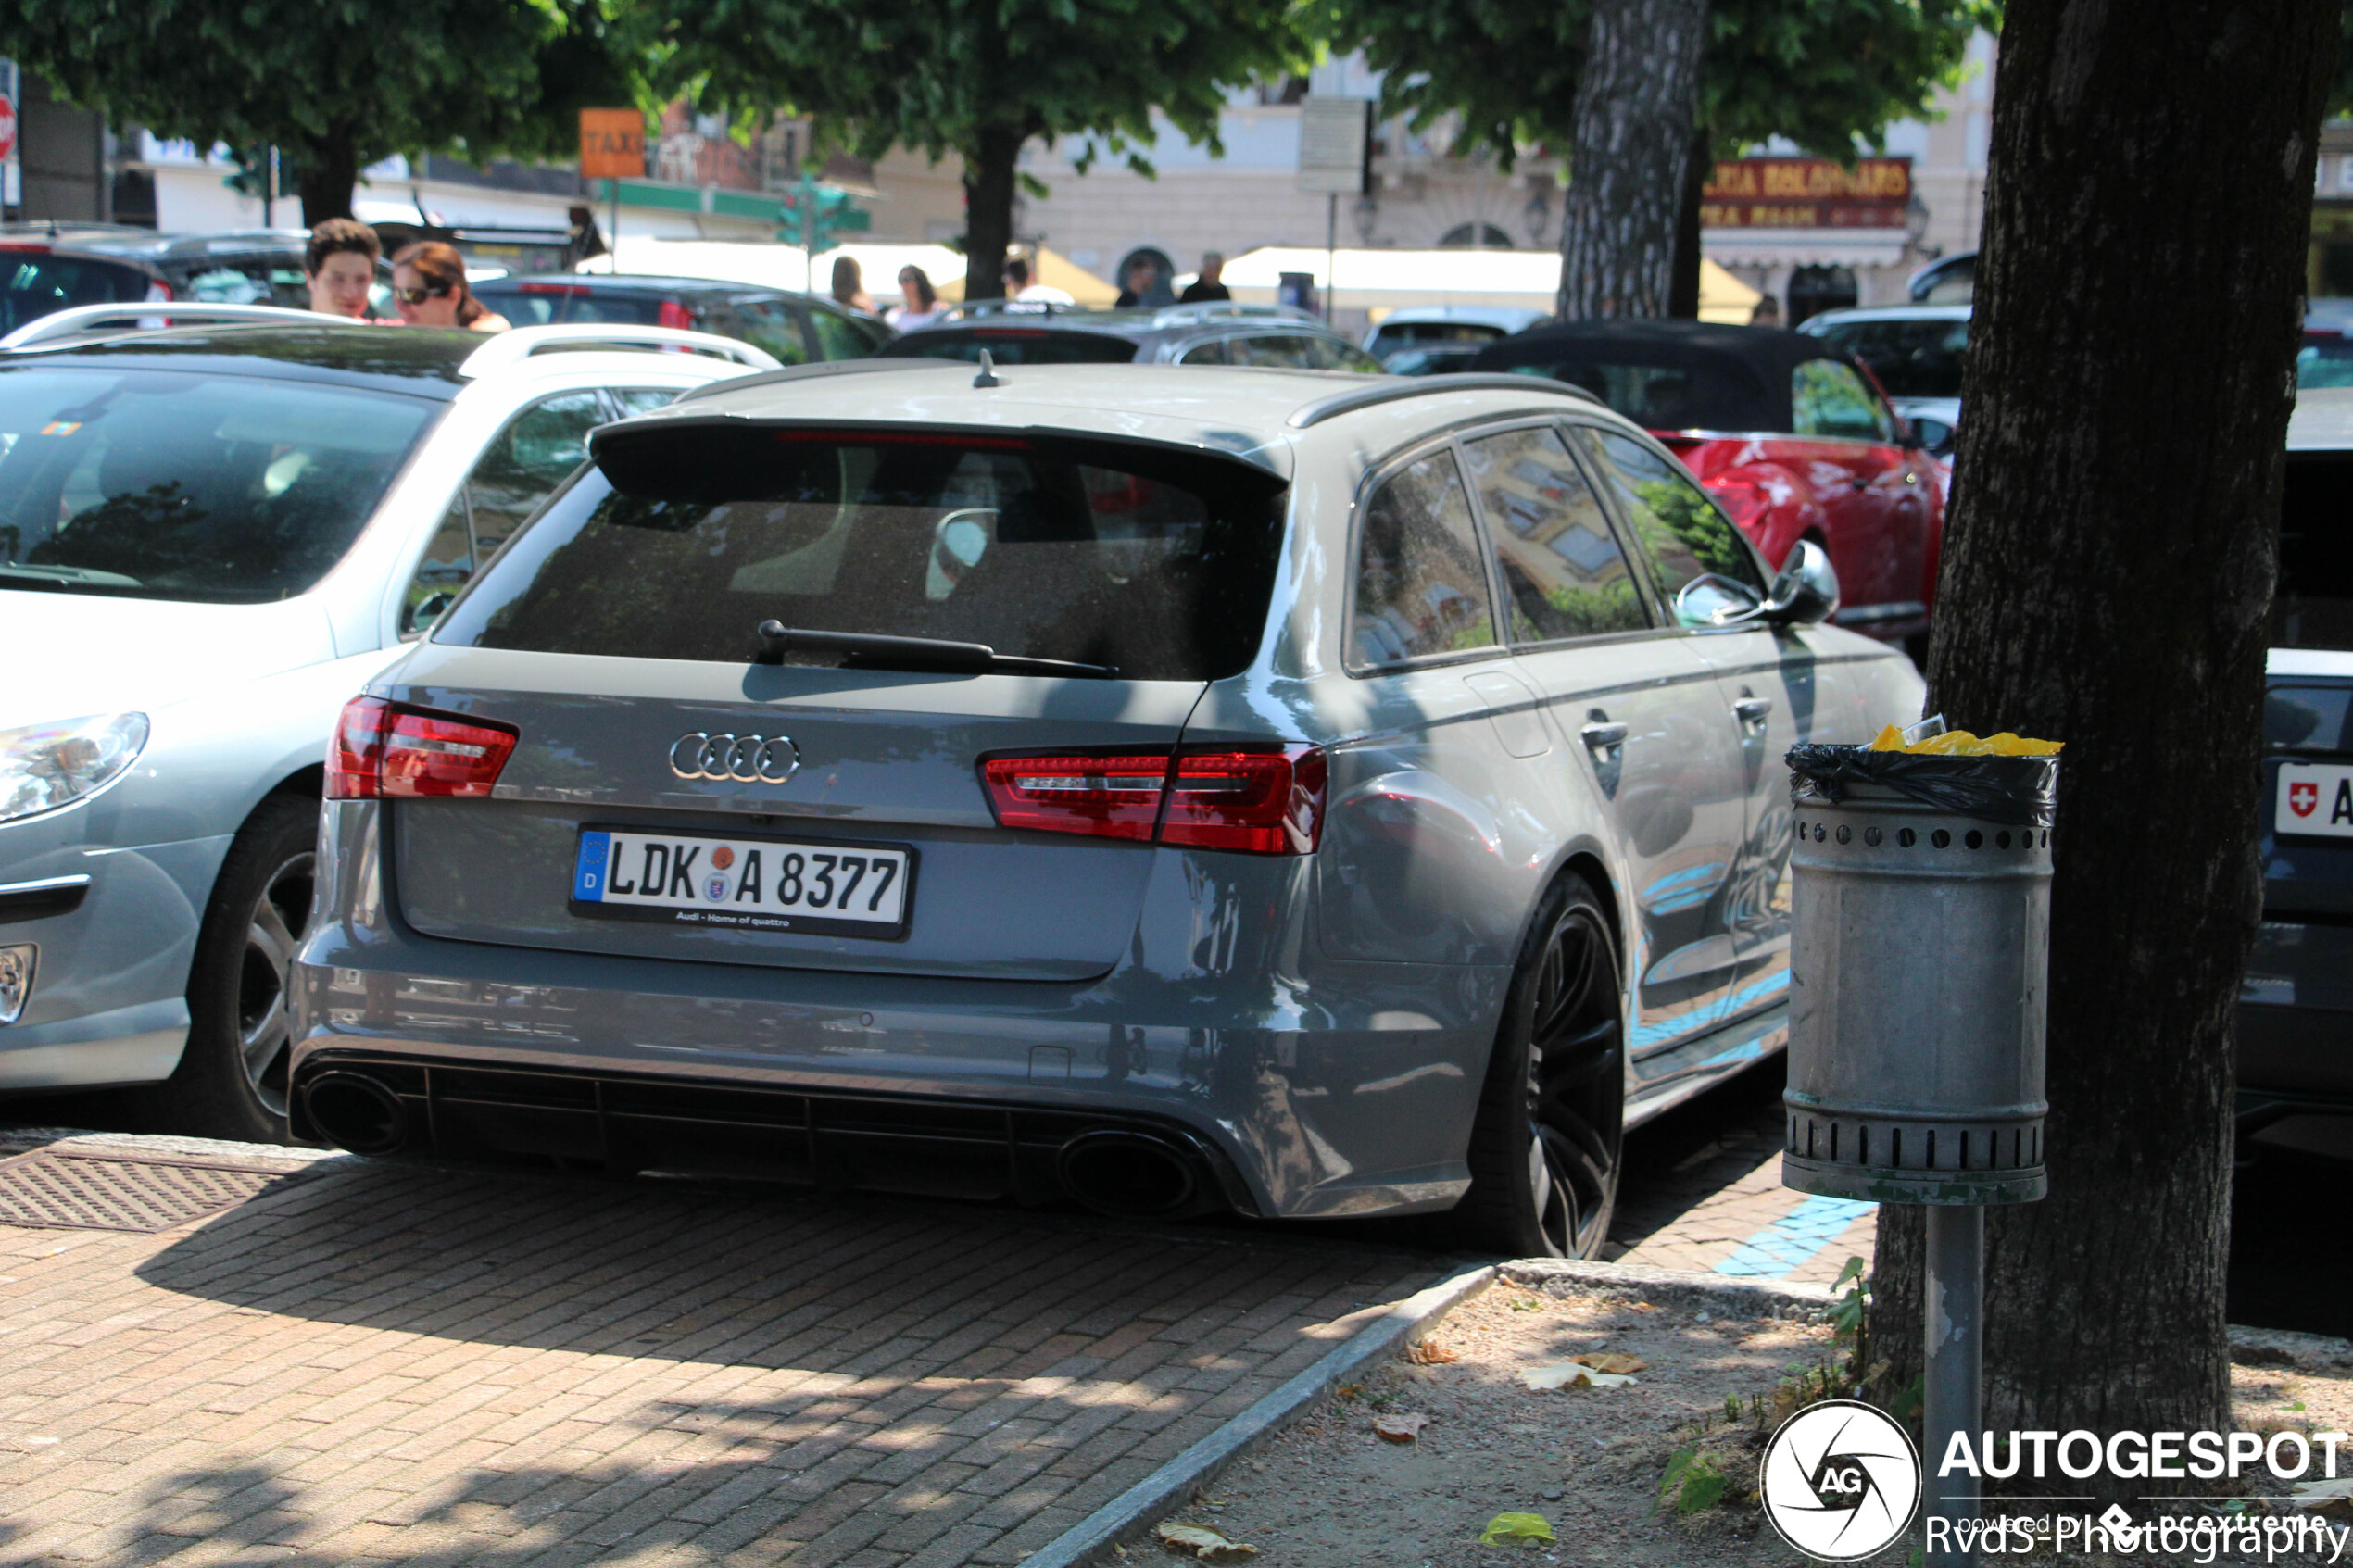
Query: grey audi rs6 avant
1170	789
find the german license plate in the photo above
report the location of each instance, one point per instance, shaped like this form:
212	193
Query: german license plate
811	887
2314	798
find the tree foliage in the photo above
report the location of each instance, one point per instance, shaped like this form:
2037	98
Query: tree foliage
336	84
980	78
1828	74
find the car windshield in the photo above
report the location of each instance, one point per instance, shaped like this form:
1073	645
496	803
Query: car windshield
1158	564
34	285
1910	358
1700	393
2314	605
176	484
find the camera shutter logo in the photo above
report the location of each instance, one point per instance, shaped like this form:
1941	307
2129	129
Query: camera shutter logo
1840	1481
739	758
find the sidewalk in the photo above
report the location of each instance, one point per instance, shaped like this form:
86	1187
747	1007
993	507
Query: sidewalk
372	1363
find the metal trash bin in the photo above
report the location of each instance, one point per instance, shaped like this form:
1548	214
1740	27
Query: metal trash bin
1920	953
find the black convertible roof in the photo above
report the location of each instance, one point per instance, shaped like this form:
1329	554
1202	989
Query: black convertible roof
1733	377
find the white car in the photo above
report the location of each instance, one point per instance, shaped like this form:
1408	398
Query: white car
210	537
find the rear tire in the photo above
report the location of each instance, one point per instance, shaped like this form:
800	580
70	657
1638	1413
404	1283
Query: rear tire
1544	1146
231	1079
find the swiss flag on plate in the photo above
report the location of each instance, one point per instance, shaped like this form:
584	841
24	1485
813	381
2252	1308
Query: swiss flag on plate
2315	798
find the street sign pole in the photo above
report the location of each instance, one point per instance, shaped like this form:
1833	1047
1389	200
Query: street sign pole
1335	161
612	148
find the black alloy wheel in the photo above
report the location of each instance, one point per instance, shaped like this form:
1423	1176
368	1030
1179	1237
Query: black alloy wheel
232	1078
1544	1148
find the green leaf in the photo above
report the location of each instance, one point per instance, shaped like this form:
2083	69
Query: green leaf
1509	1527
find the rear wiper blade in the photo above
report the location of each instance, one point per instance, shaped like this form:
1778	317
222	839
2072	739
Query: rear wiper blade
875	650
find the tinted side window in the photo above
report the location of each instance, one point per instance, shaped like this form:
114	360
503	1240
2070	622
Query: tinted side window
1682	535
1564	573
1287	352
774	326
644	399
839	337
1420	587
523	462
1212	353
1828	398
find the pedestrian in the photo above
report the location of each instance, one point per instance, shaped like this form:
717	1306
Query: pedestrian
920	304
1019	288
340	262
1206	287
849	285
1143	282
429	290
1766	314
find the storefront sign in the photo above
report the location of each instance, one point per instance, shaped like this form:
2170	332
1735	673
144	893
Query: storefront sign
1806	193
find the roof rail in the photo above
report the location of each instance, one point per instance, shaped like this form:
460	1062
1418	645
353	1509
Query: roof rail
1397	387
1229	311
513	348
111	320
820	371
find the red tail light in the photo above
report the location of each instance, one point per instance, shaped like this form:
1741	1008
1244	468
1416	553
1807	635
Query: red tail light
1260	802
1109	797
675	315
380	749
1257	802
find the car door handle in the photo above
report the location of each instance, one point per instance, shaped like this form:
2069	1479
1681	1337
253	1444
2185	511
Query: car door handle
1751	710
1601	736
1862	482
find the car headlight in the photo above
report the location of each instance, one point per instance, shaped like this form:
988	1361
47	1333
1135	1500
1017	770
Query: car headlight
45	766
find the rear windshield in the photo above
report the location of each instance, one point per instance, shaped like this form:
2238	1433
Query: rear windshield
34	285
168	484
1158	564
1700	394
1910	358
547	305
1016	345
2314	608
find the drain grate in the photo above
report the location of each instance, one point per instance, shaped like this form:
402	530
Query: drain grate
57	1189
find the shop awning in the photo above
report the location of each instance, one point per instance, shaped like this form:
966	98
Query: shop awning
1804	247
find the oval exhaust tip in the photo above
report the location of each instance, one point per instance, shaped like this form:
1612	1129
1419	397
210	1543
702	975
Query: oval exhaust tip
1132	1175
357	1112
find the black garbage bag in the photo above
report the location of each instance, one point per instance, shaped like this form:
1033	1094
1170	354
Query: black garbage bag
2020	792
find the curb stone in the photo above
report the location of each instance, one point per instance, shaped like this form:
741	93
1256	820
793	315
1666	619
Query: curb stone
1165	1489
2261	1347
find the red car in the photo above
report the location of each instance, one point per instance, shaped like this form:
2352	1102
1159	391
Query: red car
1793	438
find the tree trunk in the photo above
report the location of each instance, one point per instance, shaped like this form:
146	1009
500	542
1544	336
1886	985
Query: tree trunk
325	171
989	208
2108	571
1632	139
1682	292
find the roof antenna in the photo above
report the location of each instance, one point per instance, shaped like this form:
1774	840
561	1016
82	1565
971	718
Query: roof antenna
987	376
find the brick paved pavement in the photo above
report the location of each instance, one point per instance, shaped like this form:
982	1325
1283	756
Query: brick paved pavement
376	1363
1705	1194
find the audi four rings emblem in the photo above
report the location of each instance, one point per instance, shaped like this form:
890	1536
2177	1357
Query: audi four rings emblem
744	758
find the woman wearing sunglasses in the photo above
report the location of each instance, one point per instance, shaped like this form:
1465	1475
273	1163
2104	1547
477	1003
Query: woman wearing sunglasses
429	290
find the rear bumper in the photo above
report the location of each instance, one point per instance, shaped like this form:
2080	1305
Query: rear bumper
2296	1023
1322	1088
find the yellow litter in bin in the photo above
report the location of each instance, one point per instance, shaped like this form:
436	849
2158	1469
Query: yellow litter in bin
1960	742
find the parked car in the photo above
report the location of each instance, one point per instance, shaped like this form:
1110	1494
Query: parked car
210	537
1445	326
1789	436
44	268
232	267
1214	333
1949	279
794	329
1173	789
1915	353
2295	1011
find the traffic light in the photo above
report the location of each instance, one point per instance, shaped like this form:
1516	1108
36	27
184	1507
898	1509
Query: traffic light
815	217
